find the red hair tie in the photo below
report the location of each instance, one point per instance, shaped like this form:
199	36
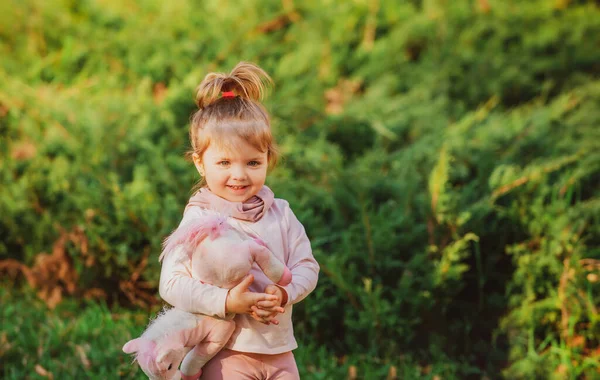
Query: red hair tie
228	94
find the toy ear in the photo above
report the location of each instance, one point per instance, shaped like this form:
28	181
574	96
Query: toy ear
162	355
163	359
132	346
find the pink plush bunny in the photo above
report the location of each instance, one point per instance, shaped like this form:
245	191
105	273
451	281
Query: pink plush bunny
220	256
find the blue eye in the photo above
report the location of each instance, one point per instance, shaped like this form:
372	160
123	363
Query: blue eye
223	163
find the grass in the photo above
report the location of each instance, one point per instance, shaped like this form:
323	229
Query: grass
76	340
83	339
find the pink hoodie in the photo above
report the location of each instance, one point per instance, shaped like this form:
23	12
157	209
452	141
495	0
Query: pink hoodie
285	236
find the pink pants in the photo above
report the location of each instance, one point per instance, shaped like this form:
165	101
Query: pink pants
229	364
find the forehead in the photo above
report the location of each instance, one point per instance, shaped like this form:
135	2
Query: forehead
235	147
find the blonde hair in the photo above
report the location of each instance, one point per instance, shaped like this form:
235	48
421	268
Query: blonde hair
219	119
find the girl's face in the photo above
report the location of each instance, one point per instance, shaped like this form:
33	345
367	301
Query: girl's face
235	175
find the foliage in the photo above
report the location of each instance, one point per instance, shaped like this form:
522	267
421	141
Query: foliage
443	156
84	339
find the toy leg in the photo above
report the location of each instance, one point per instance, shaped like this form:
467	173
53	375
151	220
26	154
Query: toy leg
218	336
274	269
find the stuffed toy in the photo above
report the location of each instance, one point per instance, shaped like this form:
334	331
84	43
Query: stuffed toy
220	256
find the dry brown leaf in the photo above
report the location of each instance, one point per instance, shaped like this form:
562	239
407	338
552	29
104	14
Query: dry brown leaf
13	268
90	213
136	295
577	341
94	293
23	151
338	96
40	351
483	6
4	344
590	264
371	26
82	356
427	369
159	92
392	373
43	372
90	261
561	4
52	274
279	22
54	297
352	373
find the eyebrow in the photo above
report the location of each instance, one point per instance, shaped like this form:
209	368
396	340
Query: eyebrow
250	159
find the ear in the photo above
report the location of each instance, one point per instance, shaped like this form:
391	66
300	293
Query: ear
198	163
132	346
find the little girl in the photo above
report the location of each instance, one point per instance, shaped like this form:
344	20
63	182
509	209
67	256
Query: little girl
232	149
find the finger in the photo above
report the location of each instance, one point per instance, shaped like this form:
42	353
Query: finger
271	316
261	313
266	320
267	304
256	317
259	319
245	284
272	319
273	310
257	297
270	290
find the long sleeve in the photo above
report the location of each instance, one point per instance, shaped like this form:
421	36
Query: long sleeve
181	290
302	264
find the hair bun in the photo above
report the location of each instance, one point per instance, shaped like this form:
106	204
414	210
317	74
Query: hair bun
246	80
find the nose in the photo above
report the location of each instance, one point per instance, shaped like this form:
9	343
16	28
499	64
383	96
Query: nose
238	173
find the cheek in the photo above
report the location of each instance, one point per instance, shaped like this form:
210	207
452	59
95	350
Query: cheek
215	175
260	176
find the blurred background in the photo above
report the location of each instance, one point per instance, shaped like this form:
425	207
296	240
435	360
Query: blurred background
444	157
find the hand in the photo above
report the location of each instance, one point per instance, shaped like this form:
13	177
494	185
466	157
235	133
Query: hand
268	310
240	300
278	291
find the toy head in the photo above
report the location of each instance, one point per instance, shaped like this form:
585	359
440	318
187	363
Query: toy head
159	362
192	234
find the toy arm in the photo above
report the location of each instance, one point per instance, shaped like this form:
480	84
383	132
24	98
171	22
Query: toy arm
274	269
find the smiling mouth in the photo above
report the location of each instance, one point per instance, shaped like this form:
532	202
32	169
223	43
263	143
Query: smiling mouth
237	187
